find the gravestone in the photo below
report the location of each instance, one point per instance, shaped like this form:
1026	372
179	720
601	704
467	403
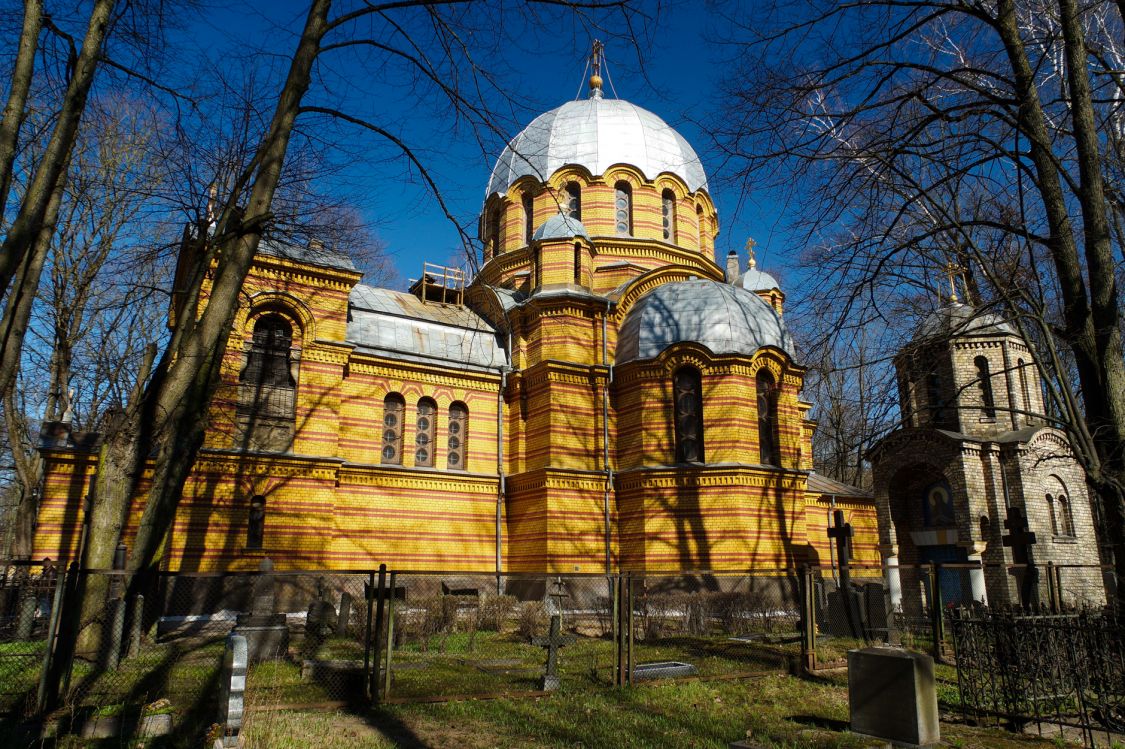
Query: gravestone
345	614
552	642
265	630
320	621
663	670
892	696
1021	540
233	686
848	602
27	607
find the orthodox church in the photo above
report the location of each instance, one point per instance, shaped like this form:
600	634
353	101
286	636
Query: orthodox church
601	396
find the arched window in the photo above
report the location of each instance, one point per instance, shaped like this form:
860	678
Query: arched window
668	214
702	229
768	447
623	208
687	403
1022	369
528	217
256	522
458	441
984	382
394	408
573	198
1053	512
577	264
934	397
425	427
267	387
1066	518
494	230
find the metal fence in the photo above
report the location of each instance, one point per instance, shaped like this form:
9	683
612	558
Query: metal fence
155	646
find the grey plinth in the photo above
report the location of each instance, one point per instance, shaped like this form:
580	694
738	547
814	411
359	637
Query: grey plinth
891	695
267	635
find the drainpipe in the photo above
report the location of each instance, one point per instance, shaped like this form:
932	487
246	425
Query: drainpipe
605	432
501	485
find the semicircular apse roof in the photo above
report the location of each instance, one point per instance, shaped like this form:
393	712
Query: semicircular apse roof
597	133
724	318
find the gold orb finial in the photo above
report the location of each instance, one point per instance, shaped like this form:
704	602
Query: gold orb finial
595	81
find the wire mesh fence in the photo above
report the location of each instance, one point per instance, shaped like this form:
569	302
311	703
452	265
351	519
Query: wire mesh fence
318	638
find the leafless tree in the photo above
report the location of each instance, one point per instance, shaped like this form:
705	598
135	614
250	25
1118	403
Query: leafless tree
986	134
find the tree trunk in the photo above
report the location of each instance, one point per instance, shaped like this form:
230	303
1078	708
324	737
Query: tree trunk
29	220
16	108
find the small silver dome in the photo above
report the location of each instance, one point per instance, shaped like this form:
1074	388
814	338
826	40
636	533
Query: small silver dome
754	280
956	319
560	226
597	133
724	318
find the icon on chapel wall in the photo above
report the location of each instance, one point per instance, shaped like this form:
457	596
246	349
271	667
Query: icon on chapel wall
937	510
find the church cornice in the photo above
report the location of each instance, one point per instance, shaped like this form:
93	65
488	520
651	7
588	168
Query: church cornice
398	369
664	477
423	479
277	268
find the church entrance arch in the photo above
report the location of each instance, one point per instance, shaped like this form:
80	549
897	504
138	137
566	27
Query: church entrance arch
925	513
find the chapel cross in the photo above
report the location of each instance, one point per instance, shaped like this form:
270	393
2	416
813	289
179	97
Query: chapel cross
552	642
842	532
951	270
1020	540
751	243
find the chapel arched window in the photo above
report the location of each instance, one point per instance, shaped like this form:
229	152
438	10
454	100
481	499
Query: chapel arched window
1066	518
687	403
1052	510
267	387
984	382
425	427
768	442
494	230
668	214
528	217
458	439
394	409
573	197
623	208
934	398
1021	369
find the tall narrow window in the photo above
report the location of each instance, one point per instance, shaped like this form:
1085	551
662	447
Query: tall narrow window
768	443
573	199
1066	519
934	398
699	220
687	394
424	433
528	217
1053	511
494	230
984	382
668	214
458	436
623	204
267	387
394	407
1024	391
256	523
577	264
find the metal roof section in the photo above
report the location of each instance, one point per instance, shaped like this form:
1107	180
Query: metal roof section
306	254
560	226
956	319
597	133
820	484
724	318
400	324
755	280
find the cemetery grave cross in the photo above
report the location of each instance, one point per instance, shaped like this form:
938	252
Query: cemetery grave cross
842	532
552	642
1020	540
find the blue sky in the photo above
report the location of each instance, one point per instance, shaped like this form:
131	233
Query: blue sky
680	83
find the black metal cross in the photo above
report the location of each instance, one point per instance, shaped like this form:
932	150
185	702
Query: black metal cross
552	642
1020	540
843	533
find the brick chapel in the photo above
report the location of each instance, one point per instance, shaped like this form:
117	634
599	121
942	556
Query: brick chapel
601	396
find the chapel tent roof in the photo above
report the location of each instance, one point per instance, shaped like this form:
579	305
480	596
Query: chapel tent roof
724	318
401	325
820	484
305	254
956	319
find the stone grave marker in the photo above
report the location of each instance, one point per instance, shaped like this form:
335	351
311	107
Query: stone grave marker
554	640
892	695
265	630
345	614
233	695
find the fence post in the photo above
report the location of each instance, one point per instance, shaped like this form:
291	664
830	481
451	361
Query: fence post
621	627
369	599
629	618
42	697
390	637
937	624
1054	588
377	635
808	619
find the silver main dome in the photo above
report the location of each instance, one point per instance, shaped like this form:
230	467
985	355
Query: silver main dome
597	133
724	318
